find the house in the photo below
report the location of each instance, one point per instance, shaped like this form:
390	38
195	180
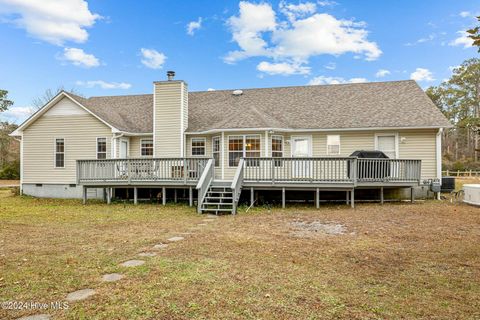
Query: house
218	144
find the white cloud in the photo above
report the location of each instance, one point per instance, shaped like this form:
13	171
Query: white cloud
382	73
422	74
465	14
327	3
331	66
103	84
17	114
334	80
79	58
210	89
282	68
304	34
51	20
192	26
152	58
462	40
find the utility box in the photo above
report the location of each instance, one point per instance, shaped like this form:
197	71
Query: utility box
435	186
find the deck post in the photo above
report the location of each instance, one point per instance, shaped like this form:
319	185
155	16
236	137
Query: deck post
135	195
352	198
252	197
190	196
164	195
109	195
84	195
283	198
348	200
381	195
412	195
175	195
317	198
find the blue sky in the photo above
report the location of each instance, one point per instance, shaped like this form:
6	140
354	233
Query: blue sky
120	47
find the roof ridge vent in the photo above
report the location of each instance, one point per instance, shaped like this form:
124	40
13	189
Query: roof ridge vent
237	92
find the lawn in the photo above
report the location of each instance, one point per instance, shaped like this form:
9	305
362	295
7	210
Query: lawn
403	260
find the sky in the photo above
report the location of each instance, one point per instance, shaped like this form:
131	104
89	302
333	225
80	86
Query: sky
108	47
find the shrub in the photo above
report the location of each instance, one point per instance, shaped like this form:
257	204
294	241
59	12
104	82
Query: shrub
11	171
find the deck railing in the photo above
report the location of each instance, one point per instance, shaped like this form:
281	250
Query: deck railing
237	184
350	170
140	170
204	182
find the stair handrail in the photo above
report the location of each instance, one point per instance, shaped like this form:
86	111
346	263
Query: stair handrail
237	184
204	183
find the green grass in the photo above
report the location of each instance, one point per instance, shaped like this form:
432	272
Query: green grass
395	261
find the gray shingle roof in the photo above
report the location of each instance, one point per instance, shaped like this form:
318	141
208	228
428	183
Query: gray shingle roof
361	105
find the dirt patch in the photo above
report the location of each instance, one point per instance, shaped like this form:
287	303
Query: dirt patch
305	229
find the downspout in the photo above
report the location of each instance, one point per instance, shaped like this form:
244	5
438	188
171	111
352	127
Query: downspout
114	145
439	157
21	163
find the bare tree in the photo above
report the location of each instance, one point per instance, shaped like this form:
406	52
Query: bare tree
49	94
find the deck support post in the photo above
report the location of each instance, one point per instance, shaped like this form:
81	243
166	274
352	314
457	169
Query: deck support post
412	195
352	198
190	196
317	198
135	195
109	195
164	195
84	195
175	195
381	195
283	198
252	197
348	200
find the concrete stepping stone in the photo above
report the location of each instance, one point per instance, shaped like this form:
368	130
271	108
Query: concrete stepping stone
147	254
36	317
175	239
132	263
80	295
112	277
186	233
160	246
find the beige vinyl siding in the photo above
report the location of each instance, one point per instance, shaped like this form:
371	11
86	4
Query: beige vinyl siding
80	133
168	133
135	151
420	144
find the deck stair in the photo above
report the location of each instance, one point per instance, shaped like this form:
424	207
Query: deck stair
219	199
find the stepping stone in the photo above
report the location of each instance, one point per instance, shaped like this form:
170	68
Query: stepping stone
202	224
132	263
147	254
212	216
186	233
160	246
174	239
80	295
112	277
36	317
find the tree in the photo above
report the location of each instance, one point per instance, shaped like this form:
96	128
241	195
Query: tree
474	34
49	94
459	99
4	102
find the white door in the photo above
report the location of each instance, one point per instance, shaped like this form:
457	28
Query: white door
123	149
301	148
387	144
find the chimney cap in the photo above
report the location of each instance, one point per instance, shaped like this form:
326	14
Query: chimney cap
170	75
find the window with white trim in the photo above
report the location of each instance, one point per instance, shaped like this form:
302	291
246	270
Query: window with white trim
101	148
59	153
146	147
277	149
216	150
198	146
333	144
243	146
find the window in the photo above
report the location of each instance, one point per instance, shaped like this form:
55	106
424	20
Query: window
198	146
333	144
59	153
146	147
387	144
216	150
101	148
243	146
277	149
